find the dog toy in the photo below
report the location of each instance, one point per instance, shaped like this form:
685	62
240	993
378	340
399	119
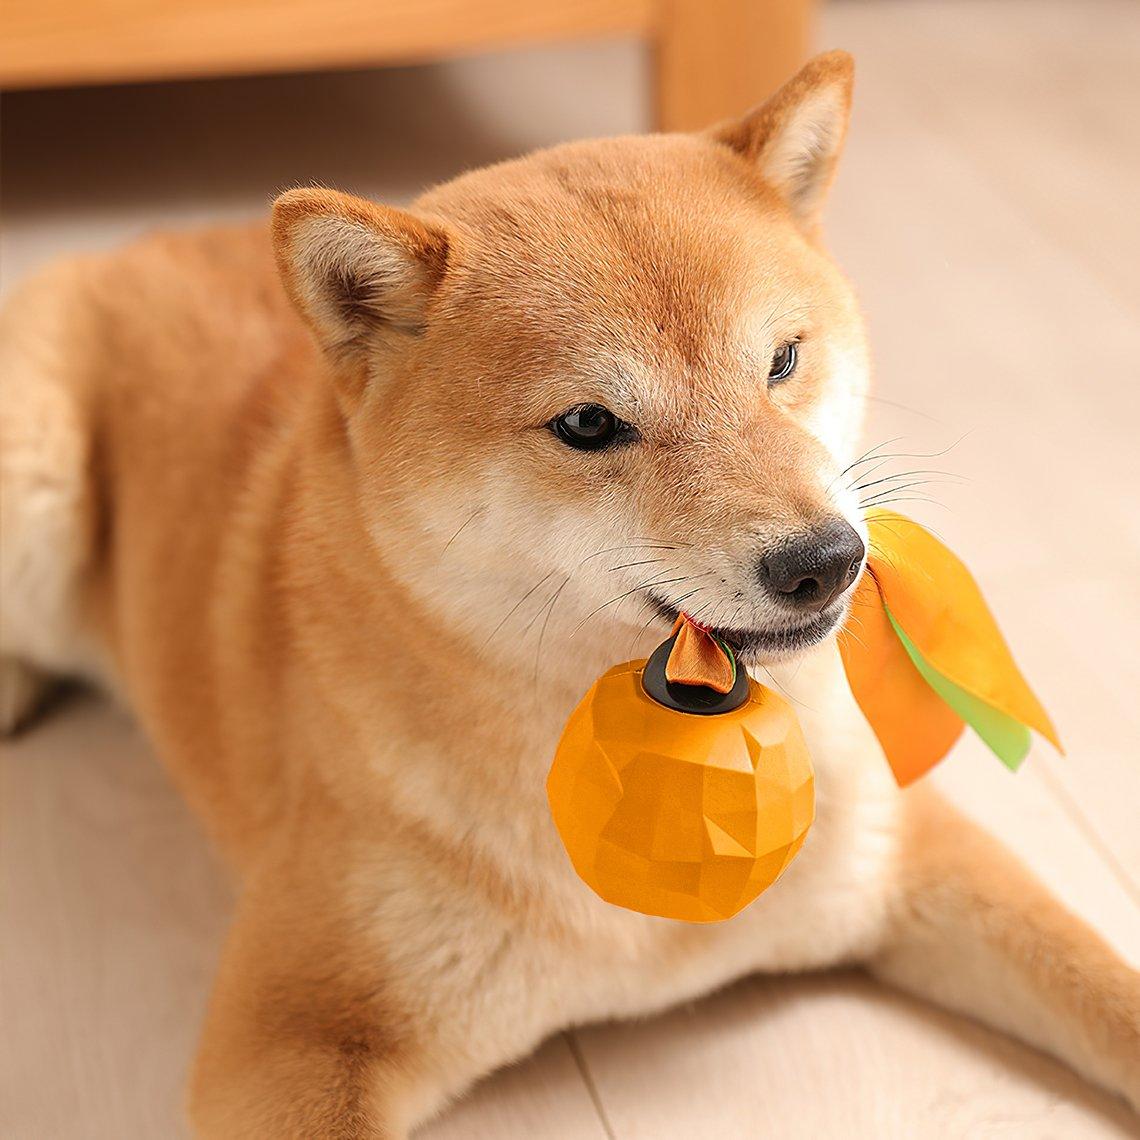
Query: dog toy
682	788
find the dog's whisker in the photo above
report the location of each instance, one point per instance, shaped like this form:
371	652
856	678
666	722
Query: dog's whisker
627	565
896	488
705	613
626	546
895	404
510	613
867	456
914	454
885	556
793	699
649	582
634	545
699	613
796	311
470	519
732	617
653	616
712	613
674	541
912	499
684	597
847	631
870	455
776	313
545	622
879	464
888	493
542	608
946	477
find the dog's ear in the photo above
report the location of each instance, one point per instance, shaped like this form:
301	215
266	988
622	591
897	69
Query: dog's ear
796	136
362	275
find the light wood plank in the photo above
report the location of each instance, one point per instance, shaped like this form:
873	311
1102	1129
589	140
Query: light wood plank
113	915
544	1096
69	41
1014	348
1089	669
829	1056
1053	130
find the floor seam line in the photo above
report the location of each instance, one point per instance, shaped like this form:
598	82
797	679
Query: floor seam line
588	1078
1084	825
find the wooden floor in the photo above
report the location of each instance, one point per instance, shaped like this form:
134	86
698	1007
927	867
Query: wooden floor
987	212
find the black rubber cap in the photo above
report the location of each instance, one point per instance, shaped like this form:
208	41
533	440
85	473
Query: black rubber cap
699	700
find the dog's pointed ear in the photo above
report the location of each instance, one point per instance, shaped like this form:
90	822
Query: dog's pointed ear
795	138
362	275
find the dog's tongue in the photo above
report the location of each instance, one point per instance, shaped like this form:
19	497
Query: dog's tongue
698	658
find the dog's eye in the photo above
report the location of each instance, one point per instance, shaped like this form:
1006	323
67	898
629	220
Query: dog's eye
589	427
783	363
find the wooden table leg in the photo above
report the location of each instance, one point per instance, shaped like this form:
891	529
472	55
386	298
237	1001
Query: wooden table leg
716	58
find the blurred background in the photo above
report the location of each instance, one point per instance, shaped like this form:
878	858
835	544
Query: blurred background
986	212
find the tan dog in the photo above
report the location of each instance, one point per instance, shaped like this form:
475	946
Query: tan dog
353	548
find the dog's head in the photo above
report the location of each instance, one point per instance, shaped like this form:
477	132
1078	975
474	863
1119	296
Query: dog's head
616	378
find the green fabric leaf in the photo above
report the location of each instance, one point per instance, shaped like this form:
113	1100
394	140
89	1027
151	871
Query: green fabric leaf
1007	738
727	650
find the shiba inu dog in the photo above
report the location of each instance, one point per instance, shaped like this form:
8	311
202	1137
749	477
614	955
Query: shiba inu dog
352	510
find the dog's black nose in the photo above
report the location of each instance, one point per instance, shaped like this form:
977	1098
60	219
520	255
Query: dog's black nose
811	570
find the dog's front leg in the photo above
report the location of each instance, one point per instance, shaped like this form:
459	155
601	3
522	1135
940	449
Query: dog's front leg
304	1036
974	931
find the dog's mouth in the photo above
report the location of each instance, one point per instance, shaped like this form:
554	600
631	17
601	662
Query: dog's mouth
757	645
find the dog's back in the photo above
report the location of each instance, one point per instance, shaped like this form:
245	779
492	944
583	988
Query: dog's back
141	382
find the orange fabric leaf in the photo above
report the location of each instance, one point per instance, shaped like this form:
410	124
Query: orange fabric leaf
914	725
938	606
697	659
936	601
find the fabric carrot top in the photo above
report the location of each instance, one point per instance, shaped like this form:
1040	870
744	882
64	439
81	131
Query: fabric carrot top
925	657
698	657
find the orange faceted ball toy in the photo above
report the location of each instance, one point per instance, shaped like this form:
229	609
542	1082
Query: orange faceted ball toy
681	788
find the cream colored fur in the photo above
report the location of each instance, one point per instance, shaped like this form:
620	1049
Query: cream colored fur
322	541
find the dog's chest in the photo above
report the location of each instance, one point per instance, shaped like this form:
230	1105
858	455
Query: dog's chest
563	955
828	908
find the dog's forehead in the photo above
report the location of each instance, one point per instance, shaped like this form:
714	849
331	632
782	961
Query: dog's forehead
665	249
656	276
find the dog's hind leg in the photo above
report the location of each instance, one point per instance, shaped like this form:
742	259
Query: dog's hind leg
975	932
45	507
